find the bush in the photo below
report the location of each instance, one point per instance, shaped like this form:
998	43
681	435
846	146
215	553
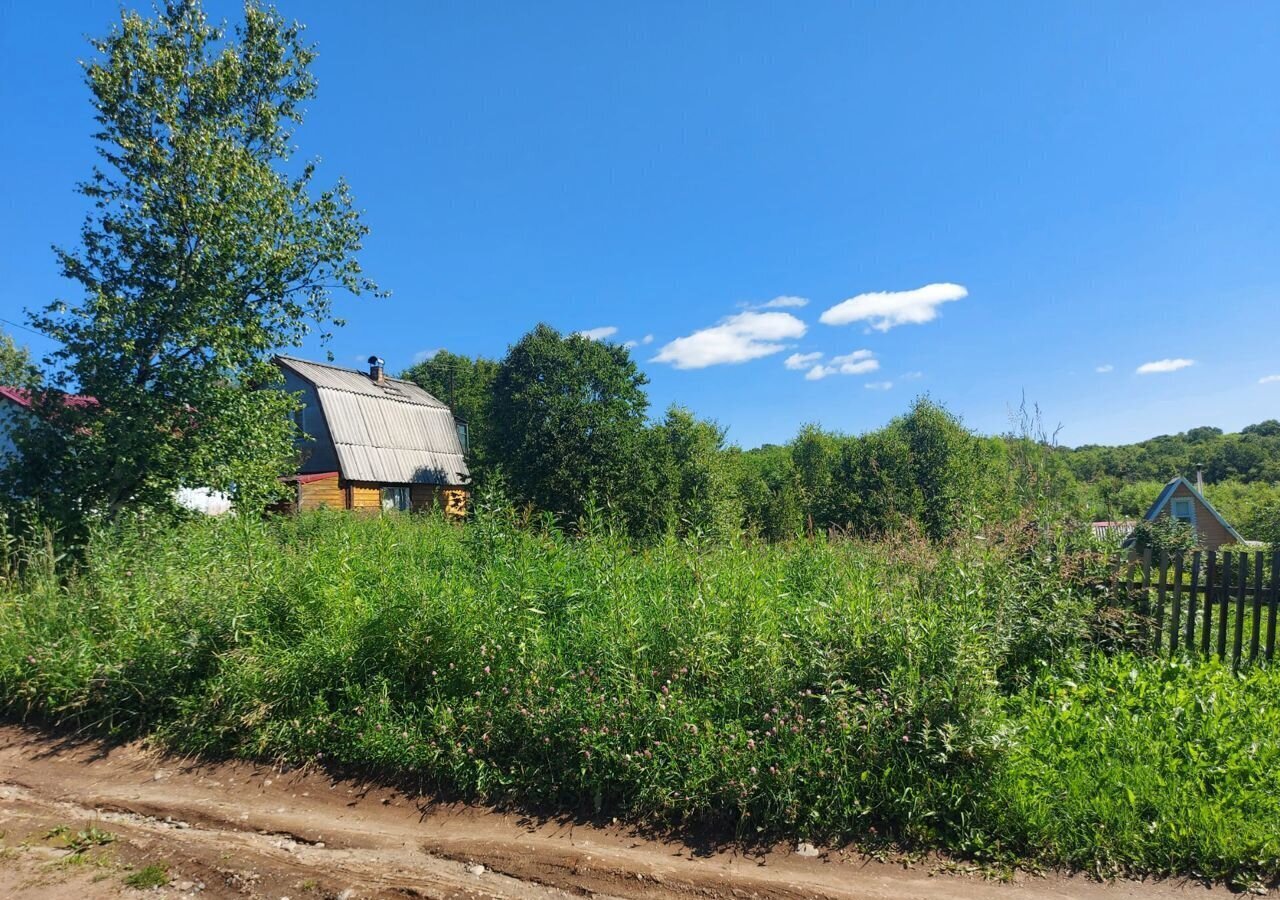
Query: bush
1148	765
819	689
814	689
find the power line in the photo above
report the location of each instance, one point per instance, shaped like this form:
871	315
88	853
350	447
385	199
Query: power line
29	330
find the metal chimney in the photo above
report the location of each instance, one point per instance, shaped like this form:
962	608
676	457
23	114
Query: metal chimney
375	369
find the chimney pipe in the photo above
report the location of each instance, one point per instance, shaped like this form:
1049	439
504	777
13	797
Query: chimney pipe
375	369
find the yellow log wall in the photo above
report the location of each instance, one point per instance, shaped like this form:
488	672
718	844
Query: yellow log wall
325	492
366	497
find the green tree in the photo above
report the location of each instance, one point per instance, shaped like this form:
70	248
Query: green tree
206	249
944	466
696	476
1266	428
814	453
466	384
568	422
883	495
16	368
769	490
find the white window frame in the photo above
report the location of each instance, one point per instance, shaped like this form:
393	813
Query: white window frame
395	498
1190	517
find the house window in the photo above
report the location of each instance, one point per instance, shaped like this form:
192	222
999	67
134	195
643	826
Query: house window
300	418
1182	511
464	436
396	498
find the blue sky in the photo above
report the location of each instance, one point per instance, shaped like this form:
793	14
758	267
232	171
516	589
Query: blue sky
1084	185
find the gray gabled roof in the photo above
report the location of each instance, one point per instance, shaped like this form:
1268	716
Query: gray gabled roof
391	432
1167	494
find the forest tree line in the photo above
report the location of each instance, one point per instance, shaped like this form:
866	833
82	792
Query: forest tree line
562	423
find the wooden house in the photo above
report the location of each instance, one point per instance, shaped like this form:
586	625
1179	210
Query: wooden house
16	403
1181	501
371	442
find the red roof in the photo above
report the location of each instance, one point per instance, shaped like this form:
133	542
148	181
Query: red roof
308	478
22	397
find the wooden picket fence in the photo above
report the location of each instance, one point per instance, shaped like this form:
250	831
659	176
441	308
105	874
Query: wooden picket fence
1204	603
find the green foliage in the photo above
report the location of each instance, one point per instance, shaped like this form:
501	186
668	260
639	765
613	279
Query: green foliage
817	688
1145	765
1251	455
206	249
16	367
148	877
568	416
694	477
943	461
1164	534
769	492
814	689
89	838
923	471
1253	508
465	384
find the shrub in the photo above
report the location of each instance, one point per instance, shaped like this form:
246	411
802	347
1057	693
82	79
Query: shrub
813	689
1147	765
820	689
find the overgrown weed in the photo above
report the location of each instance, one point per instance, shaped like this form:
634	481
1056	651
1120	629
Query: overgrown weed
823	689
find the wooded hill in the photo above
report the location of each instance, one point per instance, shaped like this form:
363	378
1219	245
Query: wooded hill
1252	454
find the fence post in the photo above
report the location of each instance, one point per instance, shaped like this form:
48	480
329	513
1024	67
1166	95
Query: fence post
1255	633
1210	575
1224	605
1237	642
1192	602
1275	600
1174	625
1144	601
1160	598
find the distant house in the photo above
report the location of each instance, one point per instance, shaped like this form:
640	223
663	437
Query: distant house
1181	501
373	442
1113	531
15	403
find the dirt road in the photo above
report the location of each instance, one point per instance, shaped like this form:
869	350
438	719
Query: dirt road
85	820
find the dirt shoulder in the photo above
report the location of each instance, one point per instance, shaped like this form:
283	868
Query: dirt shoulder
82	819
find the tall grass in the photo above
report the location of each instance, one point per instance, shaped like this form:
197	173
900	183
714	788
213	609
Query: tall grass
824	690
1146	765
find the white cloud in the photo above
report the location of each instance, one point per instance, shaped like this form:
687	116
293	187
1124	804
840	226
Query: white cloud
912	376
736	339
802	360
878	385
1104	368
422	355
784	303
887	309
647	339
1269	379
598	334
859	362
630	344
1164	365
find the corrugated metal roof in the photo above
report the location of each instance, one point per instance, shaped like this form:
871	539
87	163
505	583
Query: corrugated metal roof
324	375
388	433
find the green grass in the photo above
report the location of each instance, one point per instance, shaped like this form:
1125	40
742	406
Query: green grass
1154	766
816	690
152	876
